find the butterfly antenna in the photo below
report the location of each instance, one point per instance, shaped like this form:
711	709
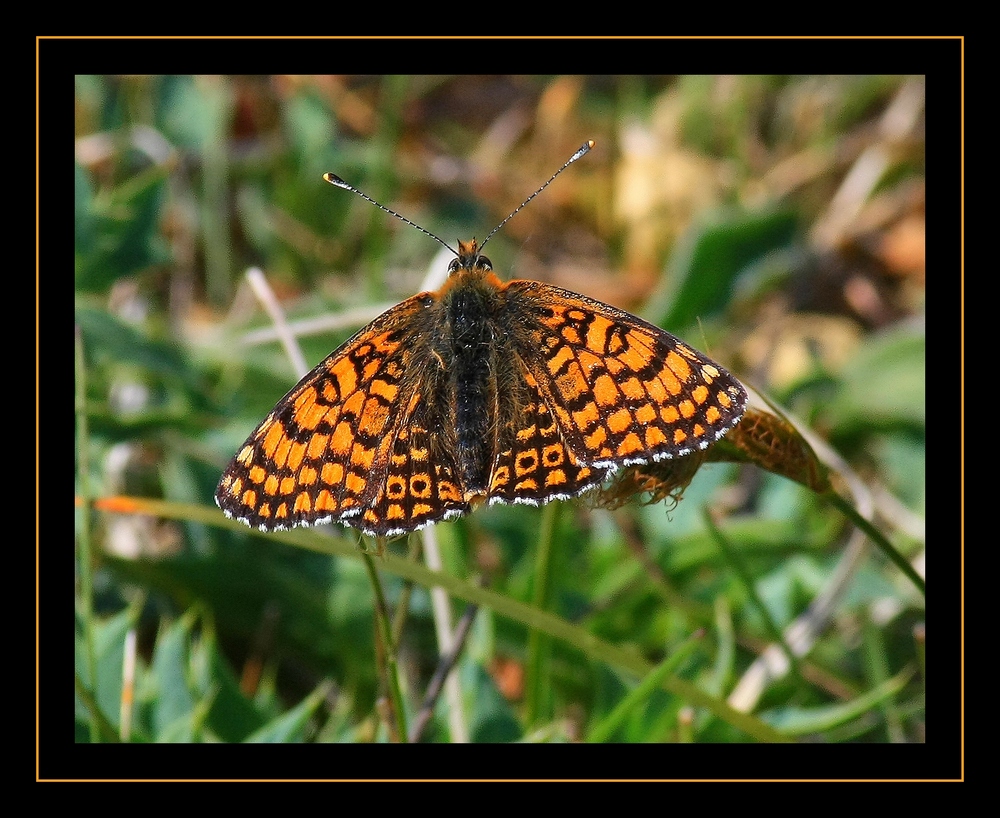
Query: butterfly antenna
584	148
336	181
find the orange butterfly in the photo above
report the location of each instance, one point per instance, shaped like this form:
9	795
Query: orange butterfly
516	392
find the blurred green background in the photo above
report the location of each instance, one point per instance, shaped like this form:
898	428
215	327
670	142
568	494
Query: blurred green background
775	222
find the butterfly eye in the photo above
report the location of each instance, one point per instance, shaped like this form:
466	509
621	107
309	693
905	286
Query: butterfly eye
454	265
484	262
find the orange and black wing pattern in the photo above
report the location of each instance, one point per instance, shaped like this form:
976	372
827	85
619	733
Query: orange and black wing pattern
621	391
533	463
506	393
351	443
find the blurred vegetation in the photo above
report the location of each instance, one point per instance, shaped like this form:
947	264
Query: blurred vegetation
775	222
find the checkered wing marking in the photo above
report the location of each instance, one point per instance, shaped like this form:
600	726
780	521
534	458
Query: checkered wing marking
347	444
420	484
532	463
622	390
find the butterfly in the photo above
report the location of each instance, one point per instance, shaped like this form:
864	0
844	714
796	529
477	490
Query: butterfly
481	392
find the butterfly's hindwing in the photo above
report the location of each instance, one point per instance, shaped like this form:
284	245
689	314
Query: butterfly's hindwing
532	463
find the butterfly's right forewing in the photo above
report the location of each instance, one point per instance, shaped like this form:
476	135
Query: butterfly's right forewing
622	390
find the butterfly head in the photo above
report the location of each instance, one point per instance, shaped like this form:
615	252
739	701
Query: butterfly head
469	258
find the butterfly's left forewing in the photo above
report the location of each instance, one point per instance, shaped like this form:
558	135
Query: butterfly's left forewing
318	456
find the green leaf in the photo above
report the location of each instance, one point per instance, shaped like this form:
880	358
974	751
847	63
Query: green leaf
885	383
709	258
118	234
292	726
492	719
174	699
800	721
109	654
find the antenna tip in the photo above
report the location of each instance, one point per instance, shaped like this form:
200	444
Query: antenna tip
584	148
334	179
